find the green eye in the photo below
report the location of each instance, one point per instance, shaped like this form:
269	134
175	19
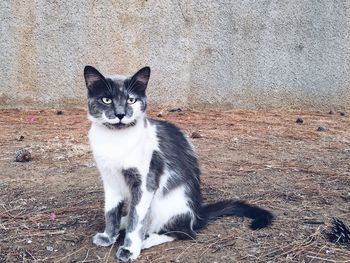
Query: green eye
131	100
106	100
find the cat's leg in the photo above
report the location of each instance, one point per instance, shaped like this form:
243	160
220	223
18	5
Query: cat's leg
180	227
113	212
172	214
123	222
138	218
136	229
155	240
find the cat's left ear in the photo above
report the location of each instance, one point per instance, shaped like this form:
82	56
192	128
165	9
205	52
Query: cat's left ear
92	76
141	77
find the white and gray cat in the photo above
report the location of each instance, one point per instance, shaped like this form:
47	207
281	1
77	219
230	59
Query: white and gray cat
149	168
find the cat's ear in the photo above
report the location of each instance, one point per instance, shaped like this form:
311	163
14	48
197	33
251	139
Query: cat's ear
141	77
92	77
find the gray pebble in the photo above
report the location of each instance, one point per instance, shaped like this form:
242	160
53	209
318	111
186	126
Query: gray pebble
321	128
23	155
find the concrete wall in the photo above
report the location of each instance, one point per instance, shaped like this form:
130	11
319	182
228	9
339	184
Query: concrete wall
241	53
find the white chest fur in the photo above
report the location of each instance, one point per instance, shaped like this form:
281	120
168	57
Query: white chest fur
115	150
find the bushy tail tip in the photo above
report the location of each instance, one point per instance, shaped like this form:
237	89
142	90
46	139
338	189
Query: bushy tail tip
261	217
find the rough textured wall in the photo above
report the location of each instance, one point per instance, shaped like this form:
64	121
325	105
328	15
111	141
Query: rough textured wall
244	53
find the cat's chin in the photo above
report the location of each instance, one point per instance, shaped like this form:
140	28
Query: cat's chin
119	126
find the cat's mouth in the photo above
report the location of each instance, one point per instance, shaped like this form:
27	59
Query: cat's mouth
114	125
120	125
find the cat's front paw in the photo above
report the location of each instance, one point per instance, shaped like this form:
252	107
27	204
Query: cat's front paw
124	254
103	240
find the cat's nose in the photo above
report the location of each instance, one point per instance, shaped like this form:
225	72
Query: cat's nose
120	116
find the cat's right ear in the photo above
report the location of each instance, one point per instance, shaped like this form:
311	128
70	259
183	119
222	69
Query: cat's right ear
92	77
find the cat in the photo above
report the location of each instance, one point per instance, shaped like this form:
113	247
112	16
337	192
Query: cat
148	168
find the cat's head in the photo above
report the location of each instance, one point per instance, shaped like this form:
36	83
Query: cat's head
117	102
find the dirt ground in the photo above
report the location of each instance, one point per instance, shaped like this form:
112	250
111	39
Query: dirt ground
51	206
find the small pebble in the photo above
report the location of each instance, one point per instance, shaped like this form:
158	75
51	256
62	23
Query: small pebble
49	248
20	138
300	120
342	113
59	112
321	128
330	112
23	155
195	135
175	110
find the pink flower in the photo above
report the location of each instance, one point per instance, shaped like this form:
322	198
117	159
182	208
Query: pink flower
32	119
52	216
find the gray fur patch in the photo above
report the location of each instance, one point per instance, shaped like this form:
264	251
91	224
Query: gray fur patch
94	109
133	180
156	169
143	104
133	220
112	219
145	225
132	177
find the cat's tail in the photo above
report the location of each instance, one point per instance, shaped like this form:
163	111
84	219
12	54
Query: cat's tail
261	217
